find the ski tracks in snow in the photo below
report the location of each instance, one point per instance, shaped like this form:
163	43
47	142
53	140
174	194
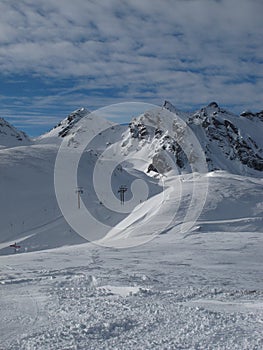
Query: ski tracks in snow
161	296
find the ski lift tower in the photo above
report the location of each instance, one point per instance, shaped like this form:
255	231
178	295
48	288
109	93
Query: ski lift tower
121	191
79	191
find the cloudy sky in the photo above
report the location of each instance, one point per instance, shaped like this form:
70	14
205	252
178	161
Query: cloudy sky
58	55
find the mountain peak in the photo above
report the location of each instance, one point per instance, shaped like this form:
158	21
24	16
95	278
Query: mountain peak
167	104
213	105
170	107
64	127
10	136
71	120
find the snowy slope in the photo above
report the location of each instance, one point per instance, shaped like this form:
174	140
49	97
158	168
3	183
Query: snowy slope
203	291
28	201
10	136
30	212
233	204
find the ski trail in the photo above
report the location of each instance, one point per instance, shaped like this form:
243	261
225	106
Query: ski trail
34	231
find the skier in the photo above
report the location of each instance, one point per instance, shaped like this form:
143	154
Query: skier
16	247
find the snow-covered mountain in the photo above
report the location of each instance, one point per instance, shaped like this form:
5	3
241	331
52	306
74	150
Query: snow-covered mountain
64	127
156	145
10	136
229	142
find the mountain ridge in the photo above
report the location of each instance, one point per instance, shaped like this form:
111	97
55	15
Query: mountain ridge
229	142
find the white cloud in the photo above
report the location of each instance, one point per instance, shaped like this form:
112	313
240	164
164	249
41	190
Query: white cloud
188	51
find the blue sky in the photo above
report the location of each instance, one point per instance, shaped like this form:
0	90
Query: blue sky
57	56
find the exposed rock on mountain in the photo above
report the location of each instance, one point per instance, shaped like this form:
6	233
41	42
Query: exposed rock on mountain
229	142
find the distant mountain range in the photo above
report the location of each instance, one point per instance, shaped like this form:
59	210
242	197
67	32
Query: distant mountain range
230	142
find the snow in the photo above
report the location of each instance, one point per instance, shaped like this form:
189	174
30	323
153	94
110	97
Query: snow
202	291
189	275
10	136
